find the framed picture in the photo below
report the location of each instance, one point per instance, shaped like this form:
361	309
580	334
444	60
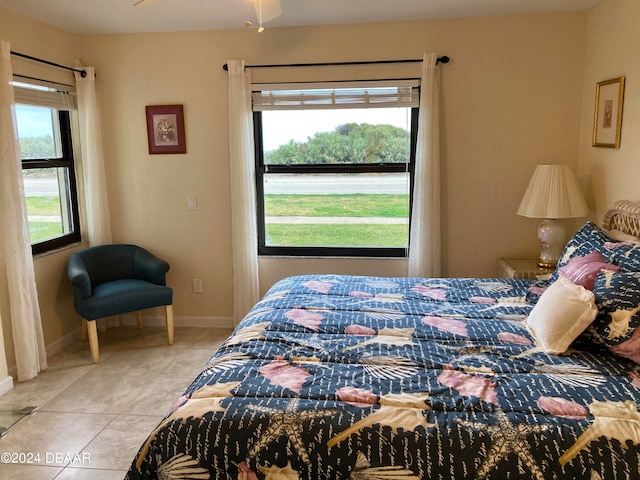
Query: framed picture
165	129
607	121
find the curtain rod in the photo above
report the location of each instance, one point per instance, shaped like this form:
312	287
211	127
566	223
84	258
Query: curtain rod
83	73
443	59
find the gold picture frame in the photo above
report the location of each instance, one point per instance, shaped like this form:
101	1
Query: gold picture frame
607	120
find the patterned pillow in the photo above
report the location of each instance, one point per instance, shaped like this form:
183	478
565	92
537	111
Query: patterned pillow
590	238
618	300
583	270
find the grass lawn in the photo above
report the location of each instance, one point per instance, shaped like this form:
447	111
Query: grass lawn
353	205
43	205
39	231
337	235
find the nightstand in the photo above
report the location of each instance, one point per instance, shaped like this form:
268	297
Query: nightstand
521	268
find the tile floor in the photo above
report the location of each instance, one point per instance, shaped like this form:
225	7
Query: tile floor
91	419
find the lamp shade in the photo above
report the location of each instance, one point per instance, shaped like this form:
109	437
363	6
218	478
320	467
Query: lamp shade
553	193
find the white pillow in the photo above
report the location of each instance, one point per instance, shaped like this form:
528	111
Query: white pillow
562	313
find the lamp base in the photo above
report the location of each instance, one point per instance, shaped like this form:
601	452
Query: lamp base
551	234
547	265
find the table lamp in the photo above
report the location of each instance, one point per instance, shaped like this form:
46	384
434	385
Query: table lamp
552	194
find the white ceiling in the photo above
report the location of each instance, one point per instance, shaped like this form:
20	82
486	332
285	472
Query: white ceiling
120	16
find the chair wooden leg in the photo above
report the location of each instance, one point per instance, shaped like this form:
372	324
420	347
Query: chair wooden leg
93	340
168	309
139	318
83	331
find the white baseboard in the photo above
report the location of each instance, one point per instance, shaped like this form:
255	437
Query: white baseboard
62	343
205	322
51	349
6	384
160	321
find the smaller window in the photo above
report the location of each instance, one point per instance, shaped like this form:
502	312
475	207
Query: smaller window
46	151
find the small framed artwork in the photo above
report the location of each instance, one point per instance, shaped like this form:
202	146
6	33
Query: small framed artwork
165	129
607	120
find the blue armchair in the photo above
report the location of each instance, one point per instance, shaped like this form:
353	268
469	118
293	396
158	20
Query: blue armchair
114	279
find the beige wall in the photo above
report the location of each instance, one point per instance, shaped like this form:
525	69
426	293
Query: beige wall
612	50
512	98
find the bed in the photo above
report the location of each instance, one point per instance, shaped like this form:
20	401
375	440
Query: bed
346	377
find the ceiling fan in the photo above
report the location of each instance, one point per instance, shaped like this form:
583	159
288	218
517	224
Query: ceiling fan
265	10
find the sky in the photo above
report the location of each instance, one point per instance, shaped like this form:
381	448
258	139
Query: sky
281	126
33	121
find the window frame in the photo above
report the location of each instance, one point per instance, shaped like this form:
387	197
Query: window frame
314	251
66	161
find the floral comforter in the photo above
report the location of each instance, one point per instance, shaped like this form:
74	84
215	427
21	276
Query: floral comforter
338	377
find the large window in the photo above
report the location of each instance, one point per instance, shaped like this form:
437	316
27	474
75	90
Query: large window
46	148
334	167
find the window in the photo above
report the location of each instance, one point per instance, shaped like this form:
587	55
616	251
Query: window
43	121
334	167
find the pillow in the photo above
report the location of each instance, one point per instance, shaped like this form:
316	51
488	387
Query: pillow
625	254
583	270
562	313
618	300
590	238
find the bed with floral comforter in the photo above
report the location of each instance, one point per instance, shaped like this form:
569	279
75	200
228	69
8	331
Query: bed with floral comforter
341	377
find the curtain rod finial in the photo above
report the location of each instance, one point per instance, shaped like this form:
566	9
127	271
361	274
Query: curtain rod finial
443	59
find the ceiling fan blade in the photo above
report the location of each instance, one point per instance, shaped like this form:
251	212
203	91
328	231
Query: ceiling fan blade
267	9
143	3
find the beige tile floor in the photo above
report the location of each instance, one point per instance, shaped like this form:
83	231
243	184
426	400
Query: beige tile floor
91	419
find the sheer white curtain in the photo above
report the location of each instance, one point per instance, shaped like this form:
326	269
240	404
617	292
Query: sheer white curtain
96	201
425	247
15	254
94	184
243	192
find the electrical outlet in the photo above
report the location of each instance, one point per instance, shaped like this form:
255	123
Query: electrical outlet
192	202
196	285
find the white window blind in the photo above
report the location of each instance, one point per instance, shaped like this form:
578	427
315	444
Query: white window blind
335	95
45	94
